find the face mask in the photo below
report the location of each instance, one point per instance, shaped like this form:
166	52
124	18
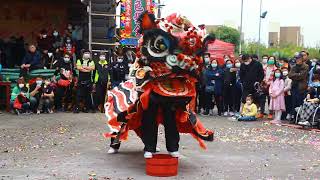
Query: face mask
249	102
21	86
280	64
271	62
86	56
68	40
247	63
55	34
277	75
238	65
285	73
214	65
313	64
229	66
120	60
102	58
69	27
264	61
39	82
66	59
316	84
207	60
44	36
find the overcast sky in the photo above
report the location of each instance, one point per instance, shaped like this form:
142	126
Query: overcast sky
304	13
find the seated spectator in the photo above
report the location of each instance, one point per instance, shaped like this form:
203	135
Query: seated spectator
31	61
22	103
57	41
314	70
249	110
36	91
65	83
311	102
17	90
47	98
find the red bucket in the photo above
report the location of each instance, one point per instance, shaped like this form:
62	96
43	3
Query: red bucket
162	165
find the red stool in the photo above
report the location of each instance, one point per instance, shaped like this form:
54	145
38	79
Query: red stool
6	101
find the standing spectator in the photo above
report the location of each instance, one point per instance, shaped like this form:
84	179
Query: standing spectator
86	66
238	87
299	76
65	83
264	61
287	94
47	98
305	58
276	91
70	48
31	61
229	86
251	72
214	85
119	70
44	45
283	63
101	80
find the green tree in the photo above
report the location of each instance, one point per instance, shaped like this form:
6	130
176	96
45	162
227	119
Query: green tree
228	34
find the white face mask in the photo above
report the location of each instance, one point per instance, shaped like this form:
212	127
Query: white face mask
247	63
207	60
120	60
238	65
21	86
44	36
55	34
66	59
285	73
264	60
86	56
102	58
39	82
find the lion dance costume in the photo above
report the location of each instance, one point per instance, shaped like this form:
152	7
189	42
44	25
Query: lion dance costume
162	86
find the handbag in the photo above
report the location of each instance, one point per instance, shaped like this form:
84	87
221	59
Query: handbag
64	83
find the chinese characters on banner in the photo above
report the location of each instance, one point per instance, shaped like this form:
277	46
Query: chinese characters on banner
130	13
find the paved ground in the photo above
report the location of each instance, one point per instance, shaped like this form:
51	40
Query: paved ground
68	146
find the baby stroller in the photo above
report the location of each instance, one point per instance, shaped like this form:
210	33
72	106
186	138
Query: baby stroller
313	120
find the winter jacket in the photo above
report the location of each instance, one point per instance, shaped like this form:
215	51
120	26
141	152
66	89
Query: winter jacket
299	76
214	77
34	59
250	74
230	78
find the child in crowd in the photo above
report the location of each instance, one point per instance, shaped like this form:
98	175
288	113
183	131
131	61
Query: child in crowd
229	86
287	95
249	110
268	78
22	103
47	98
276	92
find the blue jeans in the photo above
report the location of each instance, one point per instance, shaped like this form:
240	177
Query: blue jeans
247	118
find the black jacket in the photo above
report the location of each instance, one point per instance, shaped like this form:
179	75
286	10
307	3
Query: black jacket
250	74
230	78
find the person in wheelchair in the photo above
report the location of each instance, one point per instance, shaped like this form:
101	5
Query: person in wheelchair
312	101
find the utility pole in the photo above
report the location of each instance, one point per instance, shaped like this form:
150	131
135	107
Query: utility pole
240	45
89	7
259	41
